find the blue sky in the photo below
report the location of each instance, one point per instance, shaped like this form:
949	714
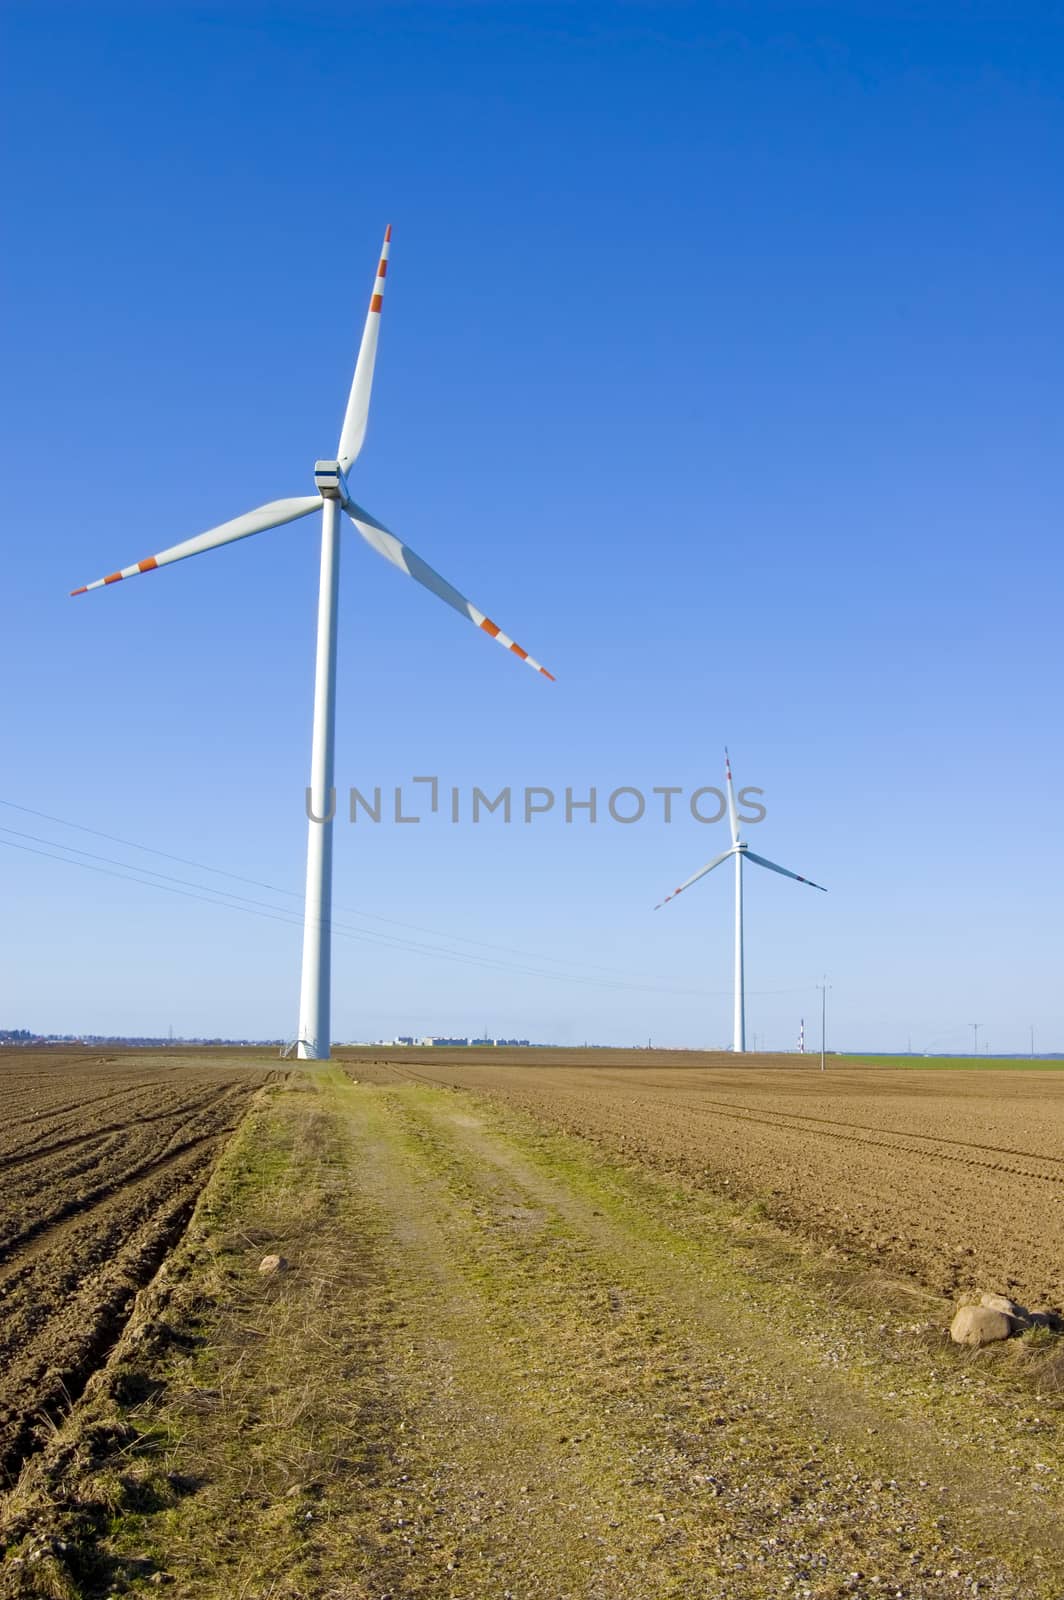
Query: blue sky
720	364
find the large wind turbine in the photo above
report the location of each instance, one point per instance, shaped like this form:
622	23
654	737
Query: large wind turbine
332	497
741	852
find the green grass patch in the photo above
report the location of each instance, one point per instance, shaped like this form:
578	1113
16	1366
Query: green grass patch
952	1063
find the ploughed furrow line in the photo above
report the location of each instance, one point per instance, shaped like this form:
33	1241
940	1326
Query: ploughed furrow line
57	1354
43	1233
91	1136
63	1257
62	1106
631	1090
401	1073
29	1192
847	1133
30	1196
68	1111
68	1277
788	1118
101	1193
138	1103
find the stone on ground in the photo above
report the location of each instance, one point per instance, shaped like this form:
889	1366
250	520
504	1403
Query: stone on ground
976	1325
1000	1302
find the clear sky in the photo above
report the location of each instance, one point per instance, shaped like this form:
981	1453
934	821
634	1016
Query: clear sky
720	364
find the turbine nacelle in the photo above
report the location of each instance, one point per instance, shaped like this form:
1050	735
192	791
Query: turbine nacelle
330	481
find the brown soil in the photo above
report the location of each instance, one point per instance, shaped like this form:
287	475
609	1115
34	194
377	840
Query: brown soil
955	1179
505	1360
501	1363
101	1160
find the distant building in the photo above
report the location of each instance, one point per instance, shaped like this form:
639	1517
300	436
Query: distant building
437	1040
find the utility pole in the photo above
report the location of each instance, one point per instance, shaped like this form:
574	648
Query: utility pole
975	1026
1032	1041
823	987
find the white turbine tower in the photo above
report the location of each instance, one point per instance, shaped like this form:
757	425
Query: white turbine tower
332	498
741	852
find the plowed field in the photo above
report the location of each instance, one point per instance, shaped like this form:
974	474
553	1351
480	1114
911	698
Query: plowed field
953	1178
101	1160
531	1331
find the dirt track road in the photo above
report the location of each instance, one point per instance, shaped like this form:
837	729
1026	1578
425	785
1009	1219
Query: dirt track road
505	1366
954	1178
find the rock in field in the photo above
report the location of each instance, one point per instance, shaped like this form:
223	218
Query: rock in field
980	1325
273	1264
999	1302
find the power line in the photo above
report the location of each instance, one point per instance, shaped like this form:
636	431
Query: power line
272	888
233	902
655	986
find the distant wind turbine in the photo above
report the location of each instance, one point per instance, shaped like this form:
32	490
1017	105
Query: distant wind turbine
332	497
741	852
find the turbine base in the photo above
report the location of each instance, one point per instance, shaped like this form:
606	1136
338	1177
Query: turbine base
307	1050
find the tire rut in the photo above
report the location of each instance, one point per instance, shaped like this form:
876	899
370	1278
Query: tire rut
789	1122
181	1108
493	1214
46	1231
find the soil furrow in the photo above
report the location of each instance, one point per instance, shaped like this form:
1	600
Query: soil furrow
44	1231
88	1220
132	1120
895	1146
538	1335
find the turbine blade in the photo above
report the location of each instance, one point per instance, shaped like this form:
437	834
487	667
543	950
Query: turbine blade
733	818
257	521
357	414
701	874
771	865
408	561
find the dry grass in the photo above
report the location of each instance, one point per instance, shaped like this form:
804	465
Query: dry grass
503	1364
